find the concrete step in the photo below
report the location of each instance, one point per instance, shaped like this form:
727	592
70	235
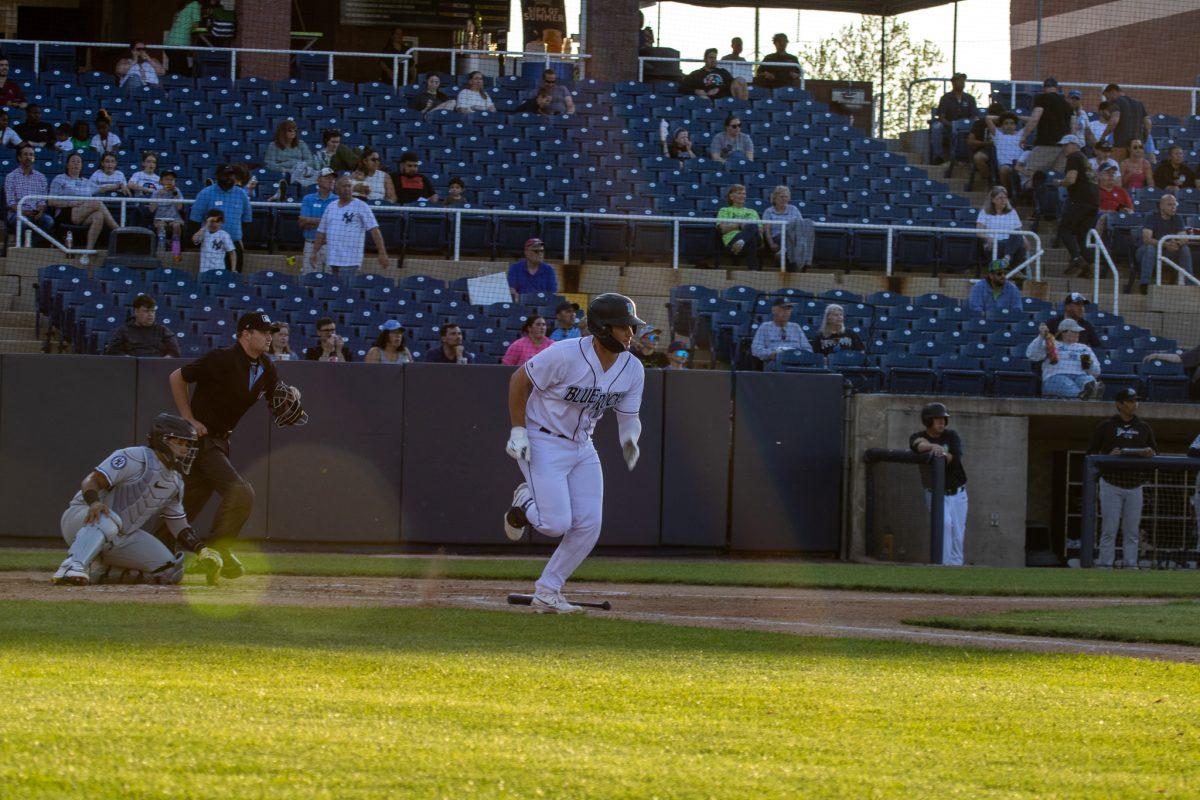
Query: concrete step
20	346
17	319
16	332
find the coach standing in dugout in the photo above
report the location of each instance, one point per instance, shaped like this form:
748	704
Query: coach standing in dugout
942	442
1123	434
228	382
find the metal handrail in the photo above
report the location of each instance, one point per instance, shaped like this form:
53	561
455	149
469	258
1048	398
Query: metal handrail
1191	90
1099	249
531	55
643	59
1183	274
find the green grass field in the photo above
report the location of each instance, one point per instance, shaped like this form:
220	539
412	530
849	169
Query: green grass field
1169	623
715	572
168	701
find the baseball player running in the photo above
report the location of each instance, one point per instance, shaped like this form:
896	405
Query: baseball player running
938	439
103	523
555	400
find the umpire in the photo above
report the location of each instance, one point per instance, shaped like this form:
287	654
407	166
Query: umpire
228	382
1122	434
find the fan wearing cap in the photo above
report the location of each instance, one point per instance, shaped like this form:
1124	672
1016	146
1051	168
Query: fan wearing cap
1122	434
1079	117
1074	305
1081	212
311	208
390	346
531	275
228	381
566	322
954	105
995	292
1104	161
1049	122
778	336
1071	369
645	348
230	199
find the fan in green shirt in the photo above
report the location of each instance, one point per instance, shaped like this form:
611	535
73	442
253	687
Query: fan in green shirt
740	240
187	18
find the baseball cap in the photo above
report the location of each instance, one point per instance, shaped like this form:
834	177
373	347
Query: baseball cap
325	171
1070	325
391	325
781	301
566	304
254	321
1050	83
1102	145
647	329
1128	393
1075	297
679	344
998	266
1075	93
1071	138
534	242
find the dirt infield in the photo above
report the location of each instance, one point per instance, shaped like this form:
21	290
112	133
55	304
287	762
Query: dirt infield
805	612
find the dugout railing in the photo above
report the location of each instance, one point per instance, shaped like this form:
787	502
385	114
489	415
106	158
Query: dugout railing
1168	522
876	456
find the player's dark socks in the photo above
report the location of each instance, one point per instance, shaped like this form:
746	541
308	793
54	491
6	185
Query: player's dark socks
232	568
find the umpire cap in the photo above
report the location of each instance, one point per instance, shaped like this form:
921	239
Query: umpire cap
932	411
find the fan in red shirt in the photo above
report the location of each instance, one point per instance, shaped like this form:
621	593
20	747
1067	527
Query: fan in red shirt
11	93
1113	199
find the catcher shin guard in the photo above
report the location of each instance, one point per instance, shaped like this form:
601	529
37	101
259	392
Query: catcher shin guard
285	406
607	310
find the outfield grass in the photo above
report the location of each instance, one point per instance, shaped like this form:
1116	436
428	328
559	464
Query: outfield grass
1169	623
167	701
716	572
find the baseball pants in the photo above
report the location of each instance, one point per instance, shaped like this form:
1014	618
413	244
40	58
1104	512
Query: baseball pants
954	525
567	486
136	551
1119	508
212	472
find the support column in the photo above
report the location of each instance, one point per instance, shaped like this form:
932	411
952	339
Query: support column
611	39
266	24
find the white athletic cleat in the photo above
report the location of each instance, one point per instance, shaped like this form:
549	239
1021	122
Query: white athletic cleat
545	603
515	521
70	574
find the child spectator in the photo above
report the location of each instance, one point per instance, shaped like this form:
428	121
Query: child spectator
62	138
105	141
168	215
215	243
680	146
454	193
81	135
110	179
8	137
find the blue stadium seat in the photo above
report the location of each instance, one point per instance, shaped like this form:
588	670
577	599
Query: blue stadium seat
1165	381
857	370
909	374
960	374
801	361
1012	377
1117	375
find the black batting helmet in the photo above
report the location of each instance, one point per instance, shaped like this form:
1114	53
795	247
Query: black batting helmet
607	310
174	427
932	411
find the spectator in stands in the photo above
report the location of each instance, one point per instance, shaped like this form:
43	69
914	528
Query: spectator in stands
1104	160
833	335
1136	171
561	101
645	40
1127	120
731	140
735	50
955	104
333	154
1069	368
1098	126
645	348
22	181
62	138
1123	434
110	180
391	346
1073	309
998	218
8	137
1006	142
1113	199
34	129
81	135
105	141
798	235
11	93
678	355
979	136
394	46
533	341
289	154
1160	223
713	82
281	348
566	323
451	350
538	104
474	97
138	69
345	225
778	335
168	215
431	98
410	184
312	207
995	292
145	183
778	77
141	336
185	20
216	246
1051	119
740	238
1173	174
1079	117
1080	215
455	193
370	181
220	21
680	146
329	347
531	275
84	212
232	200
249	183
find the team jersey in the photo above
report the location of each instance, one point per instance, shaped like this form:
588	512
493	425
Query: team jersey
571	391
141	486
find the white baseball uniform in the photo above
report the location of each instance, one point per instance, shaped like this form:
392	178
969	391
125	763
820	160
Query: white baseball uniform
141	487
571	392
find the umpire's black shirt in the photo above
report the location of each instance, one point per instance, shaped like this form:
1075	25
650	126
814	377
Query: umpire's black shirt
1116	432
956	474
223	388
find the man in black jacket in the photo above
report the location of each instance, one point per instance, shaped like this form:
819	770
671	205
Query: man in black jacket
141	335
1123	434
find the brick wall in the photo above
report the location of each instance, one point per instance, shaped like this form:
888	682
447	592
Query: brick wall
266	24
612	39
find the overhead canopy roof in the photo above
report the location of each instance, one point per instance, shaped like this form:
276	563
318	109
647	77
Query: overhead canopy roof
881	7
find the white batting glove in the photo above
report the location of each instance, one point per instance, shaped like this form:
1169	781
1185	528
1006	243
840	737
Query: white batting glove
518	443
631	452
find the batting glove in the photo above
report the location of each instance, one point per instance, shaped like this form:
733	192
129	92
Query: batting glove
631	452
518	443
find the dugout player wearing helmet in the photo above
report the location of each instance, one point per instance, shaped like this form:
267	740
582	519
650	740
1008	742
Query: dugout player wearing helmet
229	380
942	442
1122	434
555	400
103	523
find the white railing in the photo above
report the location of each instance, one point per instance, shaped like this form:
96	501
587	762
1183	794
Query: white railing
517	55
1182	274
723	64
1036	86
1099	251
397	59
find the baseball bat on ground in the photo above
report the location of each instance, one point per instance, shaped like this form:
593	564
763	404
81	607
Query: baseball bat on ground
526	599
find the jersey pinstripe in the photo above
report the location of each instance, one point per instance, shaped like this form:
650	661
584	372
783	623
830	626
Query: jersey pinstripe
571	391
141	487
